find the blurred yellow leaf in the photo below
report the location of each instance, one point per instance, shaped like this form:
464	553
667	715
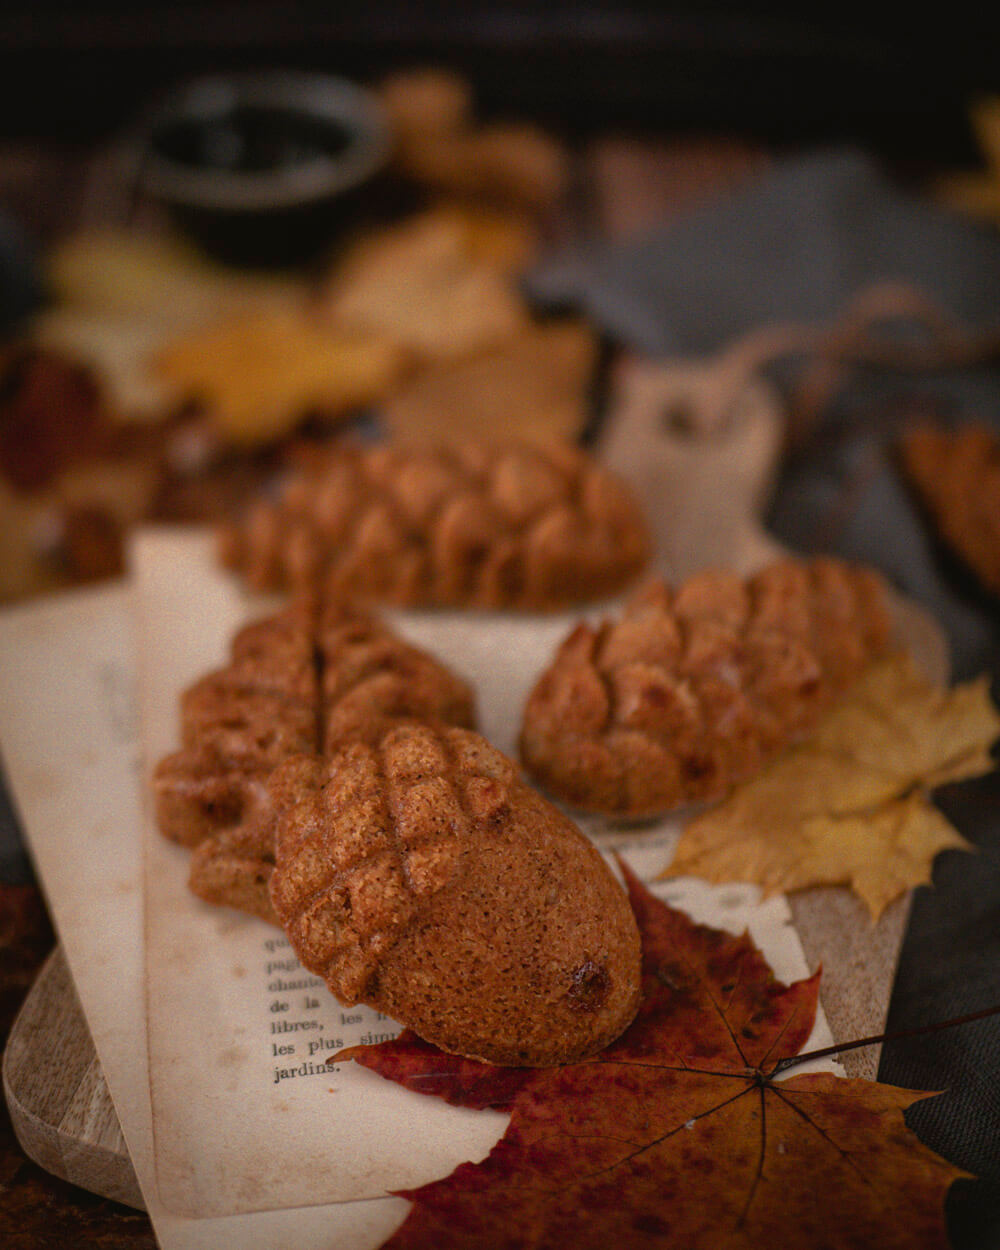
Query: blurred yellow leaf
119	274
978	194
258	376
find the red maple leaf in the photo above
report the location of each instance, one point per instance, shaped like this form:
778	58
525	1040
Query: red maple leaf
678	1135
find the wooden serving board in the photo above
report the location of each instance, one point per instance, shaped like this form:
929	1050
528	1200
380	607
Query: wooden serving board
705	490
56	1094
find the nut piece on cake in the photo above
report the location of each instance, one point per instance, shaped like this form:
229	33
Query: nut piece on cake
515	525
417	873
696	689
957	476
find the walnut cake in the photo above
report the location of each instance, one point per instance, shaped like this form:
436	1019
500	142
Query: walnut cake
307	679
694	689
419	874
513	526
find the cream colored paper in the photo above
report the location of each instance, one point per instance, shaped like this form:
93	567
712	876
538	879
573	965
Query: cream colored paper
229	1137
70	746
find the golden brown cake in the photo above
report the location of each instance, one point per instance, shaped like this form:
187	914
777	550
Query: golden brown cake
695	689
304	680
233	866
417	873
480	525
957	476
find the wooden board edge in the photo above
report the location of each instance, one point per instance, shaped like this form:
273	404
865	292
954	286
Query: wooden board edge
47	1119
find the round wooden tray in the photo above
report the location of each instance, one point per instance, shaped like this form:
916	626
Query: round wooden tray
56	1093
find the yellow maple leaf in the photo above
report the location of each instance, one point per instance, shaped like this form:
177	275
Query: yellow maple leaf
850	806
159	280
257	376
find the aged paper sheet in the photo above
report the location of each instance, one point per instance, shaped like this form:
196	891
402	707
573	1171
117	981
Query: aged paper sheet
239	1034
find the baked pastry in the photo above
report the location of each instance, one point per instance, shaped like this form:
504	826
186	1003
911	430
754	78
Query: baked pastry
510	163
956	473
695	689
305	679
237	724
418	873
233	867
426	102
483	525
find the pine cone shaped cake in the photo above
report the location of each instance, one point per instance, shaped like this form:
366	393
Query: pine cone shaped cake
956	473
305	680
418	873
233	867
239	723
476	525
694	690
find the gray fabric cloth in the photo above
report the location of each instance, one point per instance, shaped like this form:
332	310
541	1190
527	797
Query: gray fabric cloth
843	491
792	245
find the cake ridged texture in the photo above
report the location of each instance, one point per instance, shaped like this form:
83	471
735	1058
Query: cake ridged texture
304	680
418	873
513	525
693	690
957	476
237	724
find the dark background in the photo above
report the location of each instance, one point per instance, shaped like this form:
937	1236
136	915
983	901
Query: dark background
896	79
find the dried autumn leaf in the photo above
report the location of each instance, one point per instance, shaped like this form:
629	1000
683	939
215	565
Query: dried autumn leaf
850	806
677	1135
259	375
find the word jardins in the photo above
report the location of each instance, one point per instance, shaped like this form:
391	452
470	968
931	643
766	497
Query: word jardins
282	1026
315	1046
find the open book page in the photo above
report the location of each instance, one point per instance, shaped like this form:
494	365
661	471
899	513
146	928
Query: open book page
239	1034
70	746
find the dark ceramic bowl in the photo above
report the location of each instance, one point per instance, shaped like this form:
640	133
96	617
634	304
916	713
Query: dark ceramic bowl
265	168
